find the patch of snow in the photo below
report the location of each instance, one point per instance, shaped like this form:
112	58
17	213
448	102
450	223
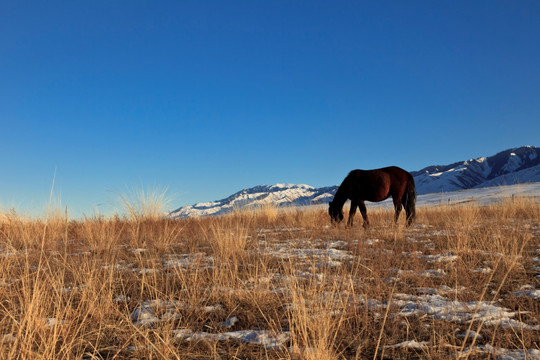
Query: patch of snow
119	267
265	338
121	298
469	334
50	322
328	257
483	270
441	308
439	257
212	308
147	271
69	289
480	196
371	241
146	313
433	273
185	261
139	251
535	294
411	344
449	290
504	354
230	322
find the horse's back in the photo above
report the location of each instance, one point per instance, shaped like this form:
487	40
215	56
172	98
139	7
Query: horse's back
397	173
378	184
371	185
399	178
395	170
394	173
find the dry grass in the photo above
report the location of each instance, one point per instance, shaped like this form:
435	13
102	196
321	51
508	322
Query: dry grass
133	287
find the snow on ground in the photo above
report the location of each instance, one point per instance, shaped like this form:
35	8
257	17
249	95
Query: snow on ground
442	308
481	196
329	256
504	354
265	338
528	291
412	344
146	313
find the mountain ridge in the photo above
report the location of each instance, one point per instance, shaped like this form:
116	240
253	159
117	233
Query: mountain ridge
511	166
483	171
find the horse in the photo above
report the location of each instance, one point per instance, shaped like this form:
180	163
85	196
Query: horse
375	185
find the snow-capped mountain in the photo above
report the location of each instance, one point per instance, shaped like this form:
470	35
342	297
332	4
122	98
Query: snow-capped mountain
514	166
278	195
508	167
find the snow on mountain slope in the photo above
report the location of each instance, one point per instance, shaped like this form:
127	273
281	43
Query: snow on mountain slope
278	195
514	166
481	196
505	168
529	175
453	177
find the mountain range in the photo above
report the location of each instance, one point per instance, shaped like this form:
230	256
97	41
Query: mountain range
513	166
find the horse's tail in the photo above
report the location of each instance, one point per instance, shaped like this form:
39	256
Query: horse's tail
410	202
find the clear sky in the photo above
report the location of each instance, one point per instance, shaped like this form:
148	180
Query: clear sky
210	97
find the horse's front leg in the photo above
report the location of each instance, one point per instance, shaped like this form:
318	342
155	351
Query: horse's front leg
352	211
363	211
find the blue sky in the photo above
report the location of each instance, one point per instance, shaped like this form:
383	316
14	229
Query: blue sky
210	97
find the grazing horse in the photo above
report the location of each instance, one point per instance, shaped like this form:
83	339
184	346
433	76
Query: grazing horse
375	185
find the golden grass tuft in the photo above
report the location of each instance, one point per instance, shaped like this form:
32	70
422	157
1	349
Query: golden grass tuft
144	204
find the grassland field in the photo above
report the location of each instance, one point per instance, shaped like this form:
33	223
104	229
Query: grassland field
461	282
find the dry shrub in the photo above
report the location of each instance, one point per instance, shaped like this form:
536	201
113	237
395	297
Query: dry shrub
140	204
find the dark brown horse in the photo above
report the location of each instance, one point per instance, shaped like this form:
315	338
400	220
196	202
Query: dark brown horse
375	185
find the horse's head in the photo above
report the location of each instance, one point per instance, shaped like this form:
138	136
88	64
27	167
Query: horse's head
335	212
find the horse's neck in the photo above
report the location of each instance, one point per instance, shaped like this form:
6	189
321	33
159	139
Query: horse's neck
341	197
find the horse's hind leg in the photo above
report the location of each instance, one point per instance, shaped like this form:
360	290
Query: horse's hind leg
397	207
407	210
363	211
